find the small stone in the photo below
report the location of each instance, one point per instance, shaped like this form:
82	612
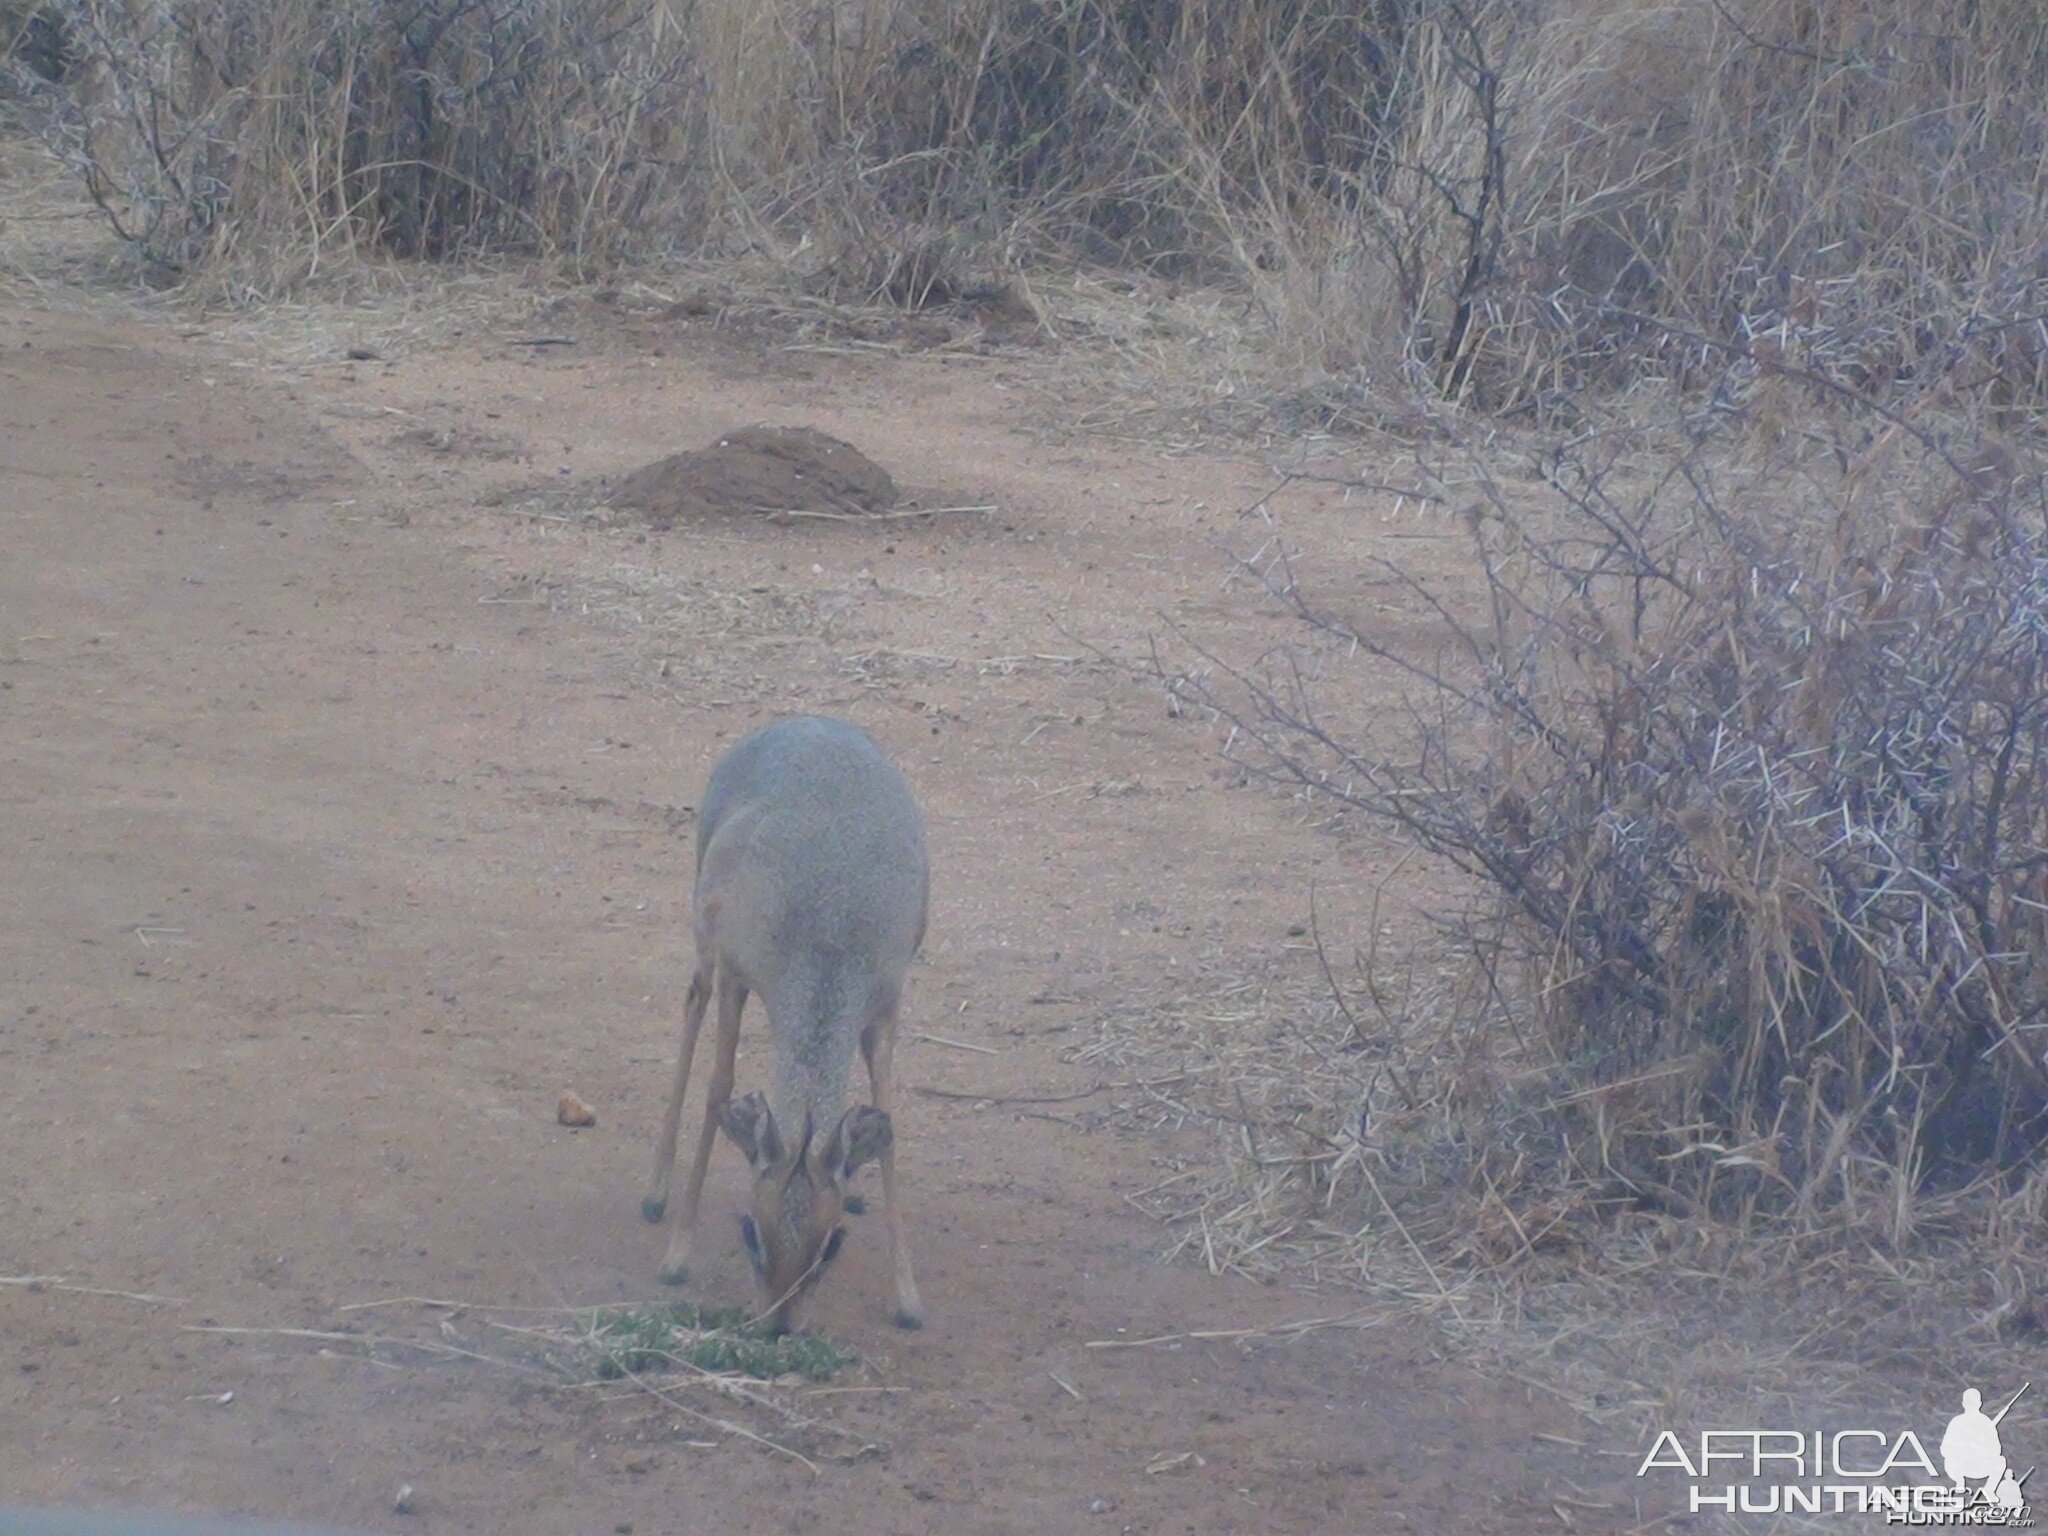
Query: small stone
572	1111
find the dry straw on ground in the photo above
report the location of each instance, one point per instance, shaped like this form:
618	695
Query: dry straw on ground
1285	1149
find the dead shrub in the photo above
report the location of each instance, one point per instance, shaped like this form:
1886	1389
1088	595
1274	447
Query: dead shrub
1746	758
271	137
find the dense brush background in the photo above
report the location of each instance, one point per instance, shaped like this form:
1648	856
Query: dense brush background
1513	200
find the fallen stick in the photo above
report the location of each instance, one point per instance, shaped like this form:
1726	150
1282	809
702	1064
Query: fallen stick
59	1283
392	1341
961	1045
1048	1098
1274	1330
868	517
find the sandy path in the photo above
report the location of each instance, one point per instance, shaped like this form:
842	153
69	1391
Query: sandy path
334	844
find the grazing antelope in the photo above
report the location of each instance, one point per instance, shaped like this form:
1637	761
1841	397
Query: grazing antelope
811	890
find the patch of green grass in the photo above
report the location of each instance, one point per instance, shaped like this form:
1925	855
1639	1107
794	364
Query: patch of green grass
623	1339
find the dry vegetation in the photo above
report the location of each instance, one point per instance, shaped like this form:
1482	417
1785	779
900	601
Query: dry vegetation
1511	202
1741	745
1738	746
1755	767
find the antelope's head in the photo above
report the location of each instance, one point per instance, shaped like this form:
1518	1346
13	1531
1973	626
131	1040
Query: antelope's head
794	1231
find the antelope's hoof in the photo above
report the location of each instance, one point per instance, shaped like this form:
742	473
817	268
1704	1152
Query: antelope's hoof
675	1264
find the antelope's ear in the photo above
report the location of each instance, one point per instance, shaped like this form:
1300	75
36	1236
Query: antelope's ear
862	1135
751	1125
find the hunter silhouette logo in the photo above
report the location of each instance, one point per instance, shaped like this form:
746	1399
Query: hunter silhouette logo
1971	1451
1855	1471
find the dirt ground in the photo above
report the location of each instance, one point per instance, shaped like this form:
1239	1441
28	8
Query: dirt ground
345	806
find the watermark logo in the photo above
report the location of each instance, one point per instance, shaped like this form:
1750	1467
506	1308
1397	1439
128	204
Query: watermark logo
1863	1471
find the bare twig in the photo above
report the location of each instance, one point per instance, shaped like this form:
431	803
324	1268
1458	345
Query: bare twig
59	1283
1362	1318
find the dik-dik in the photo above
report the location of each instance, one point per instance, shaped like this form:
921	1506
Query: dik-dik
811	890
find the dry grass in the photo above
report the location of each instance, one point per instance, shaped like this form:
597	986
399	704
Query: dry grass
1348	204
1324	1138
260	141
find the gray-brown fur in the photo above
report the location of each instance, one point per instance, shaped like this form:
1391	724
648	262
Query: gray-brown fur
811	890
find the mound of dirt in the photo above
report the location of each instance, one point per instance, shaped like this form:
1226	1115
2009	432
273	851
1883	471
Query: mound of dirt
758	469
